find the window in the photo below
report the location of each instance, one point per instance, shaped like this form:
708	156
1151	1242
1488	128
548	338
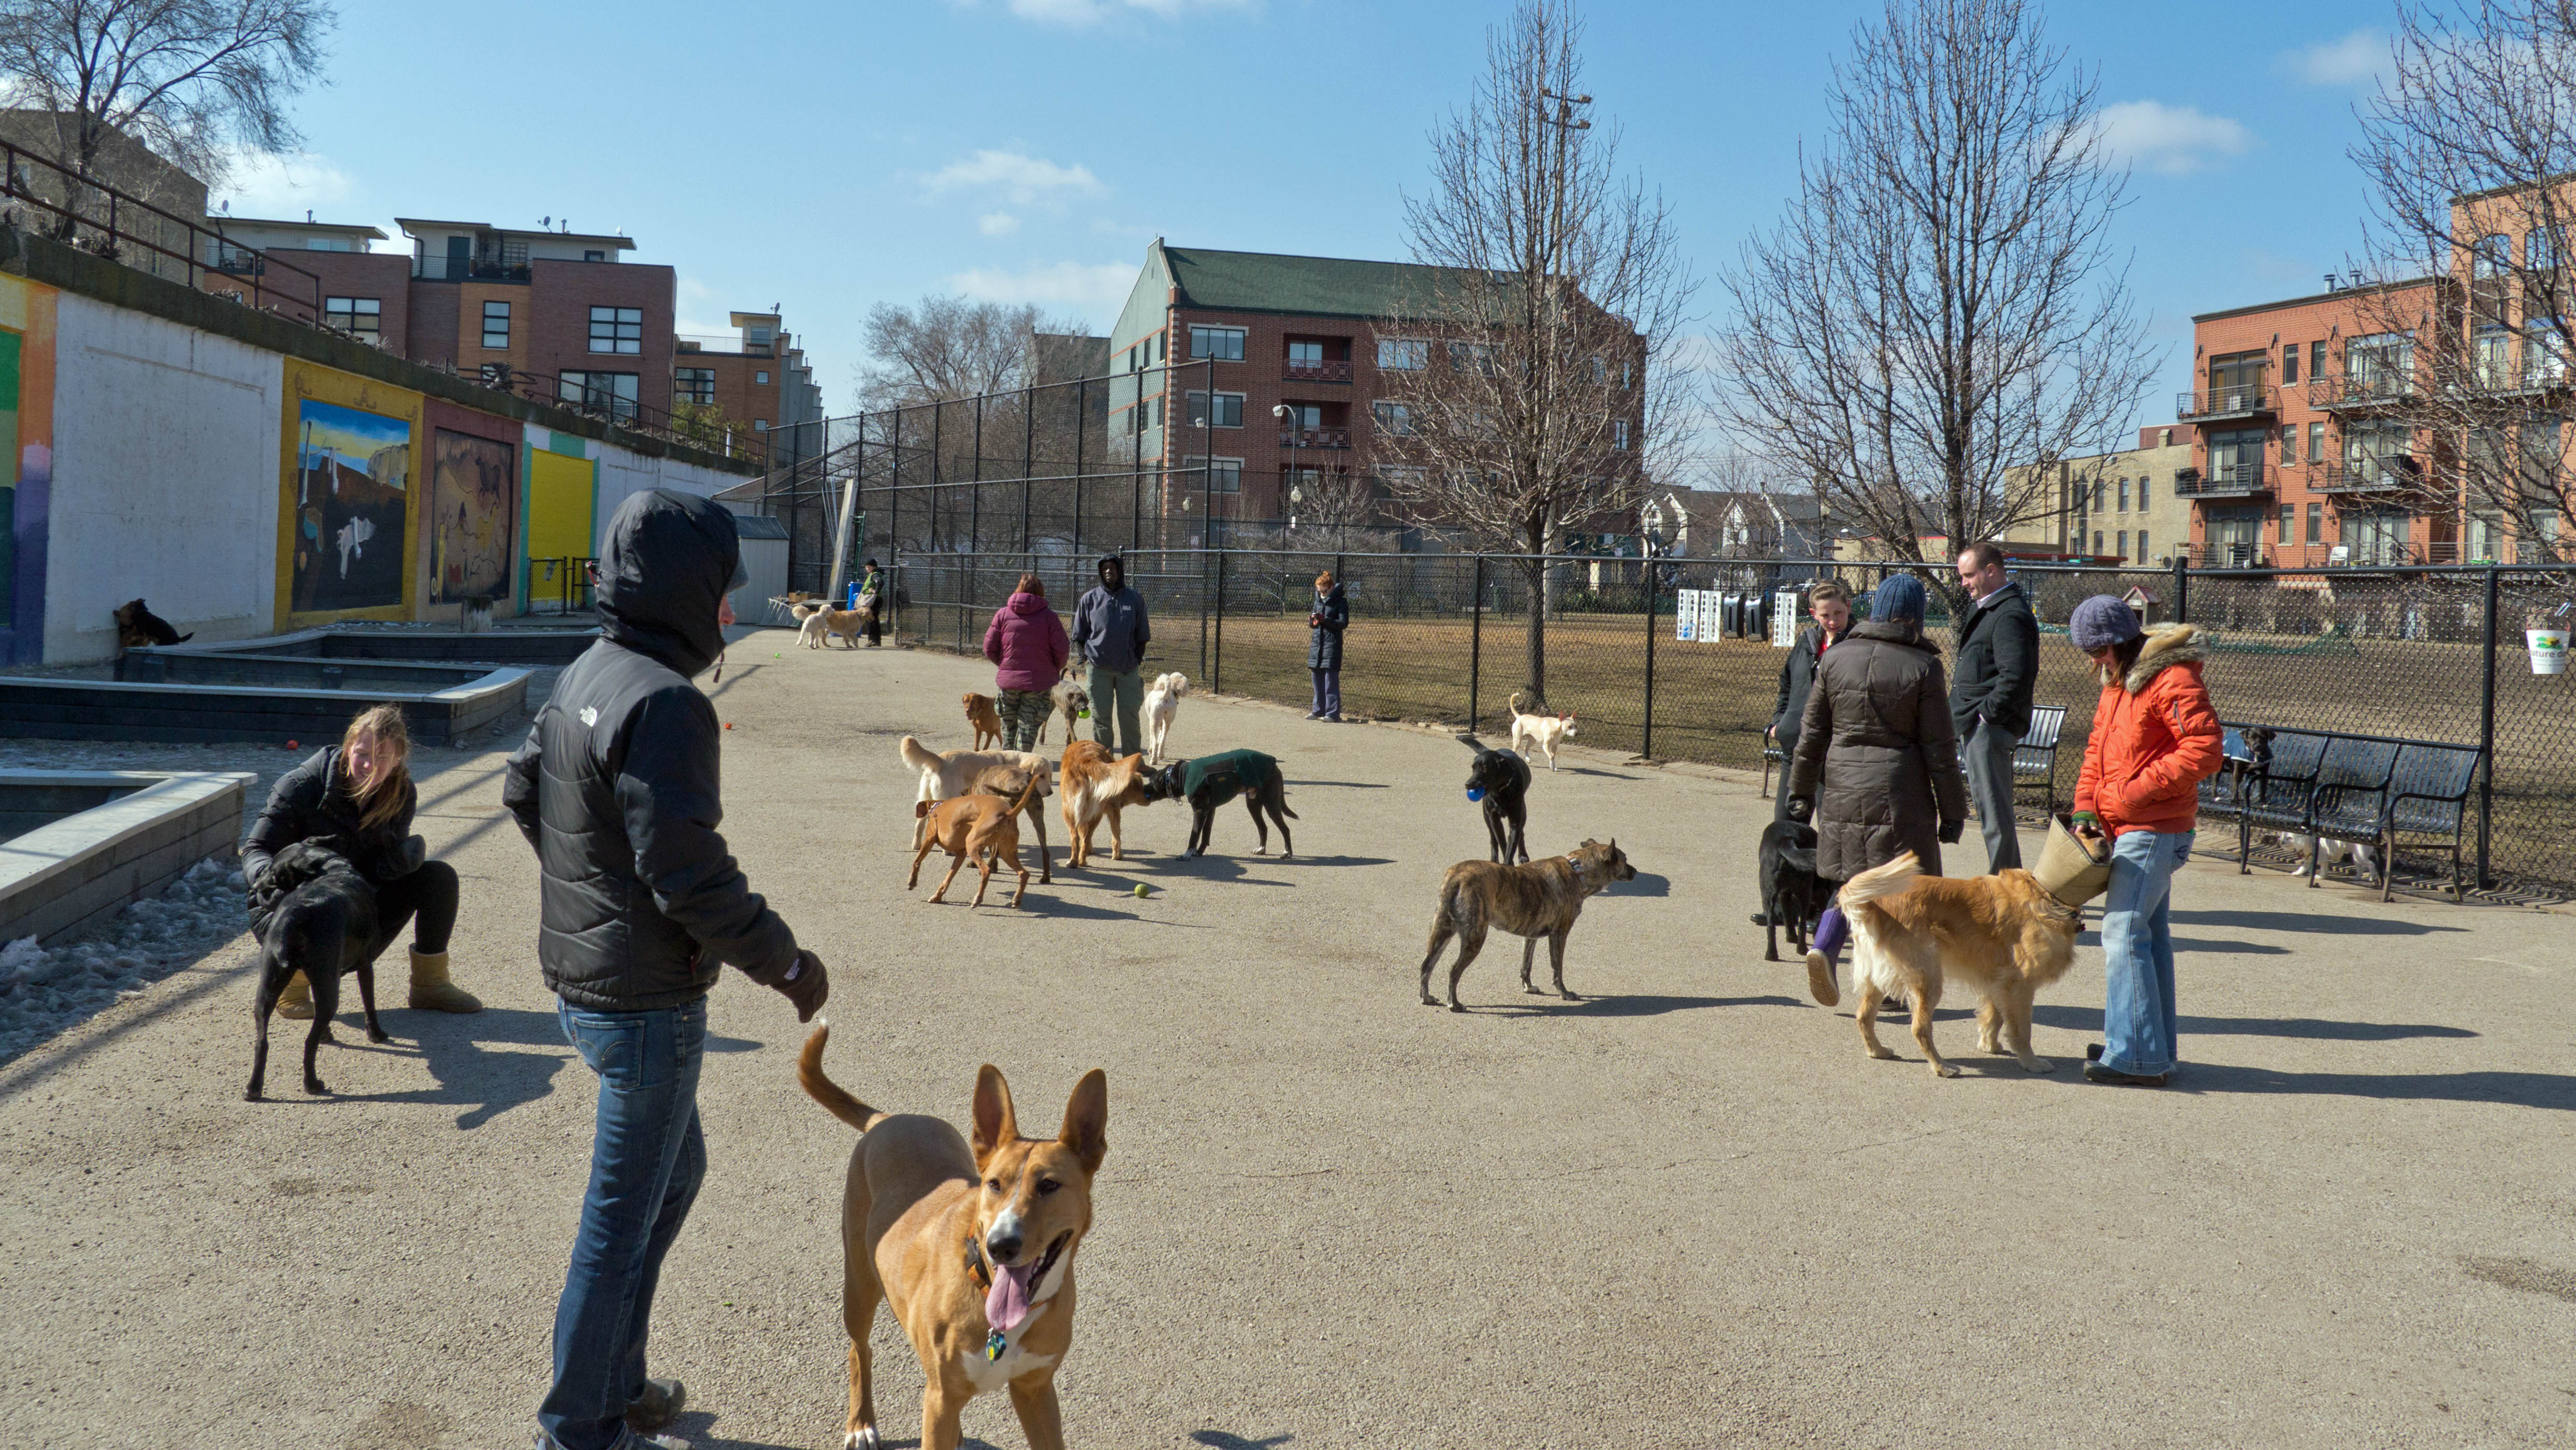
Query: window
2124	495
760	425
1224	475
1305	354
2493	255
2486	537
617	329
2316	523
2544	350
1618	432
614	392
2491	356
1304	415
2316	451
694	385
1225	344
1229	410
1394	418
1147	413
2099	489
2317	358
2142	495
2289	362
2124	543
496	325
360	317
2289	521
2541	249
760	379
2289	443
2142	546
1471	357
2379	364
1403	354
594	254
2097	541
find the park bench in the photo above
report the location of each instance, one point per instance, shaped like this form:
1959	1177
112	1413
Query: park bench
2036	757
2274	795
2350	795
2367	789
2426	796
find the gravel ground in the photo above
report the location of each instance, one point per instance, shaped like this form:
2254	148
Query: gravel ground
1682	1212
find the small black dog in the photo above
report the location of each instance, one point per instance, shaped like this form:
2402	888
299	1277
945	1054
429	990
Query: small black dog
1501	780
323	926
1212	780
1792	895
137	625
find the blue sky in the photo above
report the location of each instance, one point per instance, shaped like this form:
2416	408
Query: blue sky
829	156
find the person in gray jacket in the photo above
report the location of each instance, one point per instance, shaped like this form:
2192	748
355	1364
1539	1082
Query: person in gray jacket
1998	672
641	904
1109	635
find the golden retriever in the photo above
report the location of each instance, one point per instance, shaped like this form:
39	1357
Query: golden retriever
1912	934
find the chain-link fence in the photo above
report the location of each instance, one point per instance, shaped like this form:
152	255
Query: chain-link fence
2434	655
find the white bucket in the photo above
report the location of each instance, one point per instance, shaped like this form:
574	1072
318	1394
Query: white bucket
2548	650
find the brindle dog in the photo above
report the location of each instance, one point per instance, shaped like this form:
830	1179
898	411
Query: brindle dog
1540	899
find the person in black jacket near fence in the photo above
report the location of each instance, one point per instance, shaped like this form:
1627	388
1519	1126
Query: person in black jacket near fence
1829	604
1990	693
1330	616
357	798
642	903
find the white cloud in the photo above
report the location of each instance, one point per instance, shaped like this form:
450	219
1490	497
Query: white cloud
2349	61
997	224
1076	284
1019	178
2176	140
281	185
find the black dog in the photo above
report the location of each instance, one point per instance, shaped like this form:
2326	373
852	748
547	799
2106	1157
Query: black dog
324	924
1501	779
1212	780
137	625
1792	896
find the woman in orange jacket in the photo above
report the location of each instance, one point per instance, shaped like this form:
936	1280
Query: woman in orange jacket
2155	738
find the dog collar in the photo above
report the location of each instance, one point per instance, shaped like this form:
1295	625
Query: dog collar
1577	863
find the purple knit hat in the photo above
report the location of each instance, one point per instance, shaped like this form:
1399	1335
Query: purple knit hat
2102	621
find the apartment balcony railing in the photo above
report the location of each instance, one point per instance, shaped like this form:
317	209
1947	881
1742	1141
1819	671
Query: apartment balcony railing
1318	372
2225	480
2395	474
717	342
1314	437
2228	555
2372	388
435	267
2239	400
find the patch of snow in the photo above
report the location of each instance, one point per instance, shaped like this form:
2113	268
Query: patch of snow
44	990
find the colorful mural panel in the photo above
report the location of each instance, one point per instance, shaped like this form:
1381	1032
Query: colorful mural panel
26	462
473	518
351	503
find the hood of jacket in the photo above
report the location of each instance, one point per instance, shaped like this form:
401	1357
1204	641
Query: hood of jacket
1107	562
668	563
2167	645
1329	595
1026	606
1894	631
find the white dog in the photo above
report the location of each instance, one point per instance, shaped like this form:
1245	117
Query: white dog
1540	731
1162	702
809	632
2331	851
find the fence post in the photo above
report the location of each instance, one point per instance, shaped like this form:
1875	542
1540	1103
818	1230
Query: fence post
1203	614
2486	739
1216	659
2182	588
1475	642
1647	746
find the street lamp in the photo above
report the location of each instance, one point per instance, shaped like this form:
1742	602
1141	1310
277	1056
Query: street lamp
1287	419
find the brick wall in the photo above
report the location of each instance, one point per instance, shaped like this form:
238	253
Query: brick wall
559	298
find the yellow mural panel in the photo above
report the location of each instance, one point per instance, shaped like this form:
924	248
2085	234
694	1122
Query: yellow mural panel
559	505
350	501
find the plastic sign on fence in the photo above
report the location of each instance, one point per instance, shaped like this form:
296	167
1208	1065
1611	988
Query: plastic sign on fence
2548	650
1685	614
1712	614
1784	619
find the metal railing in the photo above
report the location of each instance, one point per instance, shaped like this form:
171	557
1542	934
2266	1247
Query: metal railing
1314	437
436	267
1327	371
2368	388
688	342
714	435
95	217
2394	474
2224	480
2232	401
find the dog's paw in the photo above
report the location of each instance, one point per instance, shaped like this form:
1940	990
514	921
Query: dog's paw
1945	1069
863	1438
1457	1007
1533	989
1430	1001
1569	996
1882	1052
2038	1064
251	1094
314	1086
378	1034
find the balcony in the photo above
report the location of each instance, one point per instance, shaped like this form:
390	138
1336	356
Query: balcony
2393	475
2237	400
1315	437
2227	554
2372	388
2225	480
721	343
1326	371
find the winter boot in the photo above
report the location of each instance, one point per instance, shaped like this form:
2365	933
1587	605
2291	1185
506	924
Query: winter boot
296	1001
430	989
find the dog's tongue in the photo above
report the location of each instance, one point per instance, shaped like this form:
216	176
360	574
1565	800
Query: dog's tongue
1007	1303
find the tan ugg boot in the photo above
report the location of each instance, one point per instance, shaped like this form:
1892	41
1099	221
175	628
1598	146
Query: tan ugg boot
296	1000
430	989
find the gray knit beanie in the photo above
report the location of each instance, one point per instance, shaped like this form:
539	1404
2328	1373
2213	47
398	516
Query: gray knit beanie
2102	621
1899	599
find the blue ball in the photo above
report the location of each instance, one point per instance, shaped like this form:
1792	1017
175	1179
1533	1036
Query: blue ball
1475	792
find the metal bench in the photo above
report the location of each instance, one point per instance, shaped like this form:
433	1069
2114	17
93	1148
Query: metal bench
2036	757
2275	794
1772	755
2350	797
2428	795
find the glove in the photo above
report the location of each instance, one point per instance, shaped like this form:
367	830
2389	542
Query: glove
2086	823
1951	831
1801	808
805	983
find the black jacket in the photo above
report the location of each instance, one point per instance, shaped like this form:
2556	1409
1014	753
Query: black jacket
617	786
1324	652
1997	667
1797	677
312	803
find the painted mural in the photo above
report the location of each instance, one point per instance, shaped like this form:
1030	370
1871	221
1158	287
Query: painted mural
473	518
26	462
352	492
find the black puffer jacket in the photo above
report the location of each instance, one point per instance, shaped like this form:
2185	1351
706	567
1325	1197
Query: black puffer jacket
618	785
1876	752
312	803
1998	666
1333	615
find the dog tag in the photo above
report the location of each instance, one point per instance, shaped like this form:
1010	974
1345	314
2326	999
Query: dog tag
994	1344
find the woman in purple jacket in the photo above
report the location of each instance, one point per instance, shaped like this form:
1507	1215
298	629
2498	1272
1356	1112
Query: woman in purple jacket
1027	645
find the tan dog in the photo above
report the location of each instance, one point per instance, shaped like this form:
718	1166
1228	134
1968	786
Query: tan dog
946	773
1541	733
1540	899
822	623
970	1243
986	720
1913	934
984	829
1095	787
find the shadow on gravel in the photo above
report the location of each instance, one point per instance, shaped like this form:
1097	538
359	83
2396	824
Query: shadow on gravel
699	1428
2310	921
1223	1440
1344	784
2314	1029
2512	1089
1646	884
470	1058
1636	1006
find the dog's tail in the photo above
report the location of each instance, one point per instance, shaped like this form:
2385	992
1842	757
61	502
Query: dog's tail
809	1076
1028	793
919	756
1880	881
183	639
1517	697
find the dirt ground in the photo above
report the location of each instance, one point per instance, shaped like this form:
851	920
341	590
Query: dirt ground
1683	1211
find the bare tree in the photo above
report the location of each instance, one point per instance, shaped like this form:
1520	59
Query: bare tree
1544	322
947	348
1331	508
185	78
2458	392
1938	320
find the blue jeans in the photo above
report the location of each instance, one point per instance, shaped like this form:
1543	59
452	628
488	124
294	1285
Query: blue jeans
1328	692
647	1158
2138	1032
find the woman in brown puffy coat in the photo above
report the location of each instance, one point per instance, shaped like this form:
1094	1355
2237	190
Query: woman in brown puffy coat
1877	758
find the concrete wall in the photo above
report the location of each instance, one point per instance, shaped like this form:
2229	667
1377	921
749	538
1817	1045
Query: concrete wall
165	479
622	473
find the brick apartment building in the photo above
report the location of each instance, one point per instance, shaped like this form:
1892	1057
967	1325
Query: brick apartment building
1304	333
755	377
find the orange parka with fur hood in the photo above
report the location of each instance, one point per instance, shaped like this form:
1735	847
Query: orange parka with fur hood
2155	739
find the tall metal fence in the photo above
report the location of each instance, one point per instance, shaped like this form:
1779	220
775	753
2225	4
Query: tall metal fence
2433	654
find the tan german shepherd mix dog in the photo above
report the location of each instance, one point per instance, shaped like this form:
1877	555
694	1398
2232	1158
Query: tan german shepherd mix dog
987	720
1913	934
1539	899
971	1245
1095	787
984	829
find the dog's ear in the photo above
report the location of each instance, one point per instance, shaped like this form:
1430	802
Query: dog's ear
995	1124
1086	1120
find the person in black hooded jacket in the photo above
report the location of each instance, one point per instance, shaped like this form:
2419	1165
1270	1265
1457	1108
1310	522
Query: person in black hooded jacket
617	788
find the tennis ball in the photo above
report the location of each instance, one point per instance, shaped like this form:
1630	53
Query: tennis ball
1142	891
